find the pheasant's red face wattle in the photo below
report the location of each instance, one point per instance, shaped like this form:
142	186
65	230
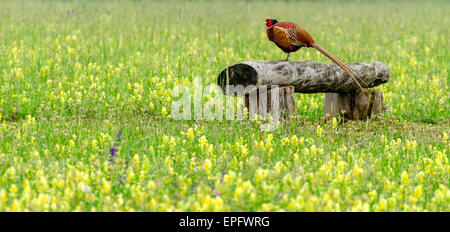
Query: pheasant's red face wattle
269	22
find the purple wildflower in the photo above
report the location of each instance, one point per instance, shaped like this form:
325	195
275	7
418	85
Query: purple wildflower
119	135
112	150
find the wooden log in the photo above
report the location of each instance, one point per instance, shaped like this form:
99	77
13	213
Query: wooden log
356	105
305	76
261	102
343	95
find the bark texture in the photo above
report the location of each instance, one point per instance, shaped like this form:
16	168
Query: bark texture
356	105
305	76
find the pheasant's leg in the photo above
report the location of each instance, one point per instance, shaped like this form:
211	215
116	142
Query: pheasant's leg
287	58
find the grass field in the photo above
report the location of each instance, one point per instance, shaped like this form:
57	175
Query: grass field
73	73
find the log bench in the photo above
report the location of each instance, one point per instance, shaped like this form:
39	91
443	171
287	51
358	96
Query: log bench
258	79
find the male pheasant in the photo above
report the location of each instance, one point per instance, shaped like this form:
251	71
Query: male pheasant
290	37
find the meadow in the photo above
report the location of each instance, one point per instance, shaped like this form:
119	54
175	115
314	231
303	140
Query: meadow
85	121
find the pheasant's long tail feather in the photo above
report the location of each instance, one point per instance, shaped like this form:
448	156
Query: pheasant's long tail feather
340	63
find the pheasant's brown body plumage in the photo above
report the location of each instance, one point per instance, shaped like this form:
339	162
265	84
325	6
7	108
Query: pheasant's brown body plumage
290	37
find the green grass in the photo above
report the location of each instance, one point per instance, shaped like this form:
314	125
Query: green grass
73	73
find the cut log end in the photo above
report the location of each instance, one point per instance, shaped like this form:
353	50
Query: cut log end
237	74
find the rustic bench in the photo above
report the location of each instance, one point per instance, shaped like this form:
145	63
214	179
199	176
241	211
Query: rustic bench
342	94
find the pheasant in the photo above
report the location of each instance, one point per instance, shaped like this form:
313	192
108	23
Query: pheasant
290	37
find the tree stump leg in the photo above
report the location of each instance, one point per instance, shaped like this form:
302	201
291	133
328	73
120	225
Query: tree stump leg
356	105
260	102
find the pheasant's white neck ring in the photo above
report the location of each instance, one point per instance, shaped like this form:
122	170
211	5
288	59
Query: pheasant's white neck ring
272	26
